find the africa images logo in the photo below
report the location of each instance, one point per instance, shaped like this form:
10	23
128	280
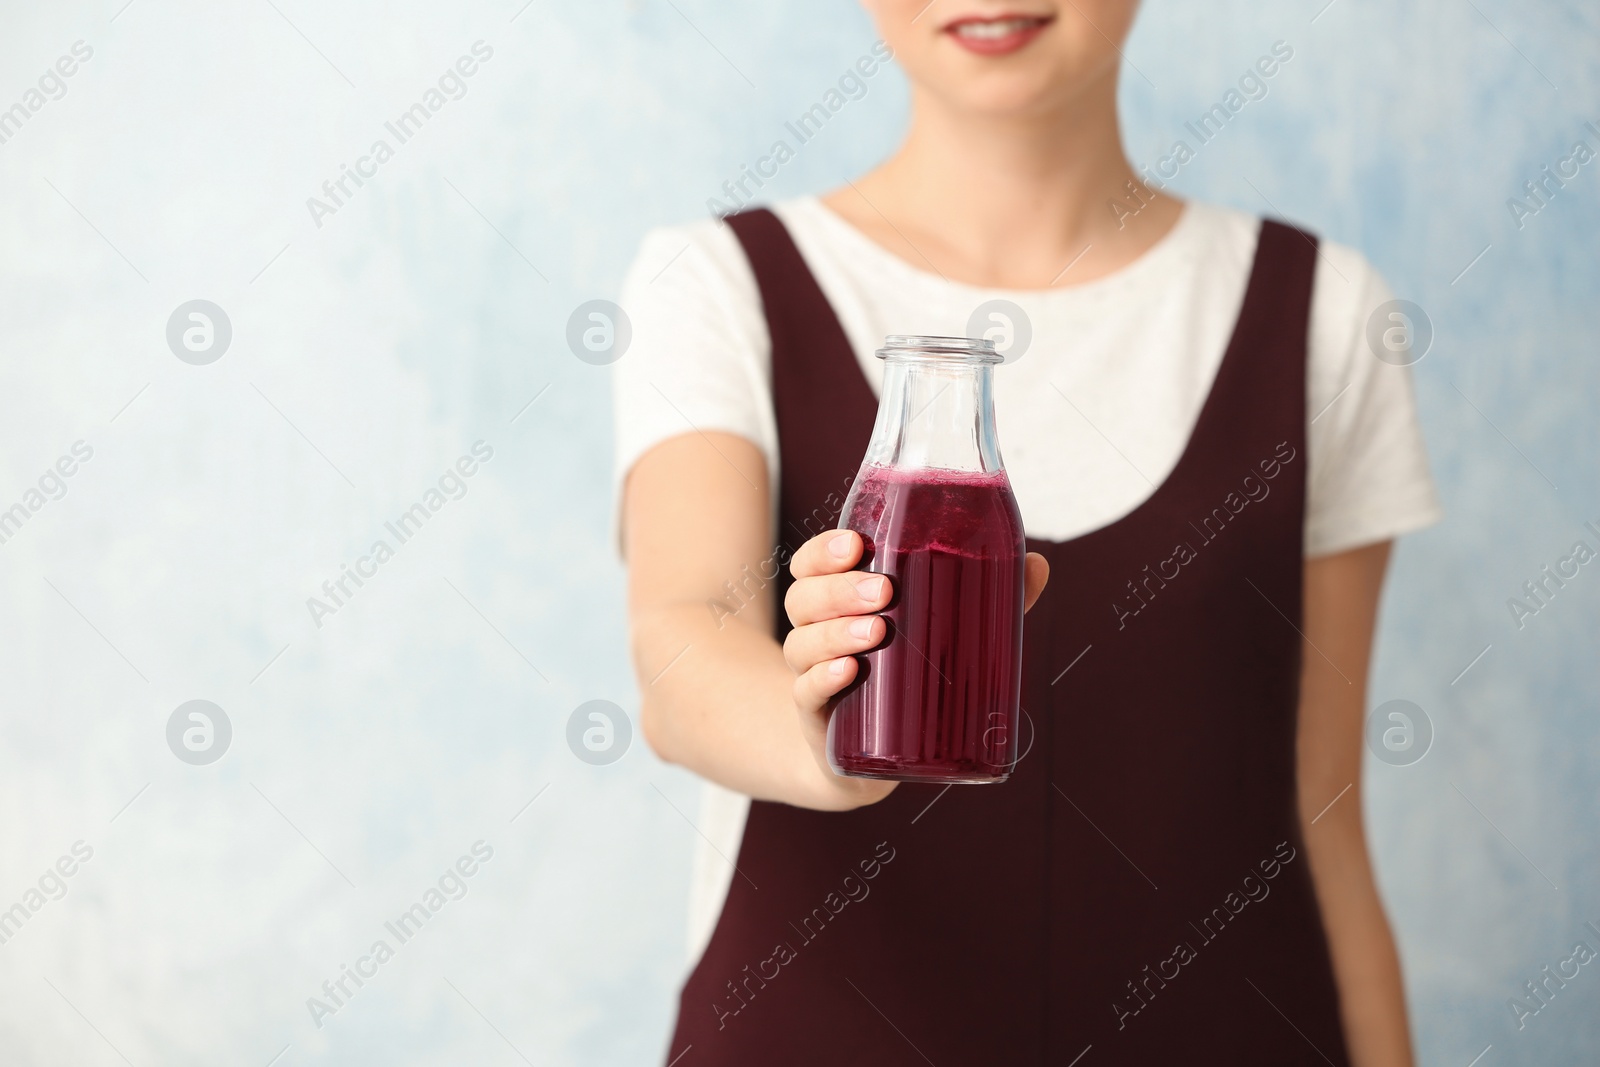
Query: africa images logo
1251	488
450	85
452	485
451	885
1253	888
852	889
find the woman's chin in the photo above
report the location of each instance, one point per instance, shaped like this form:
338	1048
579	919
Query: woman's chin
1004	96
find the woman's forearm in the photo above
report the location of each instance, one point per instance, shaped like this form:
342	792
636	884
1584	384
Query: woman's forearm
1366	965
719	695
1341	604
716	697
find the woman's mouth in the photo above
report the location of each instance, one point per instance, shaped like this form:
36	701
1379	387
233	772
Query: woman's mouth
996	36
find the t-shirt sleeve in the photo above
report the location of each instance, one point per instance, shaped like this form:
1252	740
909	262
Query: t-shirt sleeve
1368	466
698	359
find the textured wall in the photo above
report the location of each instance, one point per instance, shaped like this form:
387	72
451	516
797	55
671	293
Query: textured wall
373	345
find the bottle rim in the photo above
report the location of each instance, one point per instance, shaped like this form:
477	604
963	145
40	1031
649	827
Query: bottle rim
954	349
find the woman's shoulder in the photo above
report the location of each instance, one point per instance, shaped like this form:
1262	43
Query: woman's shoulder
690	291
691	252
1242	229
1346	286
702	259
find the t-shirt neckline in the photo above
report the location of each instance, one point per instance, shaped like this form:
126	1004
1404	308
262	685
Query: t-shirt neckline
868	253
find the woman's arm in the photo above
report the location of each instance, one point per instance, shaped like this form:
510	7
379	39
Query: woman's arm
717	693
1341	604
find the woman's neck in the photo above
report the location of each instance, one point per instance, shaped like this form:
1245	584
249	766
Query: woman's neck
1024	202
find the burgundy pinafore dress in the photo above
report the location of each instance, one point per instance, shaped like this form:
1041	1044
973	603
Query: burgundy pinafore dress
1138	891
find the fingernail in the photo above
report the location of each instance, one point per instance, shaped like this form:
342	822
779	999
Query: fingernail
861	628
836	668
840	545
869	588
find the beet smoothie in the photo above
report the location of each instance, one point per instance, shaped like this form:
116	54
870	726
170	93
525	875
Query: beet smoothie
938	699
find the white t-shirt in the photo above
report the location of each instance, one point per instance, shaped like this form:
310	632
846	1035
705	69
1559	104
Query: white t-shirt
1091	417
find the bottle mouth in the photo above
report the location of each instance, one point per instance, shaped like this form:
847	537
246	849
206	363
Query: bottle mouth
954	349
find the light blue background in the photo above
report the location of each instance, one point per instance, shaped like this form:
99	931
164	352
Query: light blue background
422	718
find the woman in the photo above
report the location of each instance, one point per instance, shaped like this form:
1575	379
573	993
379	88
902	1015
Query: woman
1211	465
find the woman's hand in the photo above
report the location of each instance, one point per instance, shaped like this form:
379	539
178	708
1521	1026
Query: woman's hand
833	609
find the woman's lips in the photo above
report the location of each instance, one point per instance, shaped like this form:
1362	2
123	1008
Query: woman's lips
996	36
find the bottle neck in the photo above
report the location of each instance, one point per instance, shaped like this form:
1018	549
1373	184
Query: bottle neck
935	412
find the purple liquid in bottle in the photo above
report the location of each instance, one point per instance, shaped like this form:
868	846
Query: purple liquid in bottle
937	701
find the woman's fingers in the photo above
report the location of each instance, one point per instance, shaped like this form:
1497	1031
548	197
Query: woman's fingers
1035	573
830	596
806	646
825	587
825	590
826	553
814	688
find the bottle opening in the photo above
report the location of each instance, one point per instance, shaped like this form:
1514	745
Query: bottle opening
957	349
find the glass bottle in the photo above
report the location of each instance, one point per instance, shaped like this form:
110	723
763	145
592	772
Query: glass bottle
937	700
